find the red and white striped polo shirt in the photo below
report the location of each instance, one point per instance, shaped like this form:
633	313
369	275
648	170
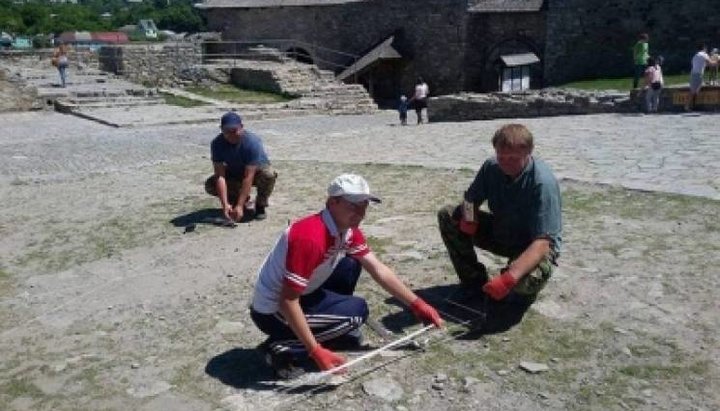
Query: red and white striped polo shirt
304	257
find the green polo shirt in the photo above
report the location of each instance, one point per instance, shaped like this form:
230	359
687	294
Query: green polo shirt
524	209
641	52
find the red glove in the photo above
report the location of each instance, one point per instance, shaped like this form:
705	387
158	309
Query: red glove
468	227
499	287
326	359
424	312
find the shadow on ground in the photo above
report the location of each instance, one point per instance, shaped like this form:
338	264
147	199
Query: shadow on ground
241	368
212	216
244	368
478	313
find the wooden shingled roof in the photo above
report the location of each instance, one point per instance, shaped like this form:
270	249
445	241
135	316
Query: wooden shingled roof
504	6
253	4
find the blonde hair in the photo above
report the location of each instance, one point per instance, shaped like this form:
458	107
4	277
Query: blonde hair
513	136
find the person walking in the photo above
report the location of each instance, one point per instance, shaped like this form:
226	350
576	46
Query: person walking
403	109
61	62
653	84
419	99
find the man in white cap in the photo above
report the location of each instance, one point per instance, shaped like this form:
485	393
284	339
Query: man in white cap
304	291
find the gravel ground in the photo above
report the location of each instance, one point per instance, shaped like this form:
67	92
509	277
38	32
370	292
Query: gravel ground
105	302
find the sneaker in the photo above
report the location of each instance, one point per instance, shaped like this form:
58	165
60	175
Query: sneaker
260	213
283	364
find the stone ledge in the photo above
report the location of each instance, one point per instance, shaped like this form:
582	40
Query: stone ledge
534	103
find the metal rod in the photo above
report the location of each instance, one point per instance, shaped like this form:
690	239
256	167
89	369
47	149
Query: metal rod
375	352
472	310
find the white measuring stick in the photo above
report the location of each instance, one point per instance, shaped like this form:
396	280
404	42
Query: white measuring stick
375	352
472	310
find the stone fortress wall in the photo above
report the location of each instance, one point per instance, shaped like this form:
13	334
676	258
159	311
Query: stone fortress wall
154	64
593	38
456	49
356	27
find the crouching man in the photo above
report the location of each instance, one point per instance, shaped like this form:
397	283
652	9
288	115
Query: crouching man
239	162
304	291
524	223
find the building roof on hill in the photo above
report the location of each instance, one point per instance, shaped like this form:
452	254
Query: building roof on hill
251	4
97	37
114	37
75	36
504	6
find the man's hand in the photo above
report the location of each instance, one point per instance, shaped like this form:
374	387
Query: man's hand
228	211
468	227
424	312
326	359
236	213
500	286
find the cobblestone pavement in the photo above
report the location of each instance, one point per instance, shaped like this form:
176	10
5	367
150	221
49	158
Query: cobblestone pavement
668	153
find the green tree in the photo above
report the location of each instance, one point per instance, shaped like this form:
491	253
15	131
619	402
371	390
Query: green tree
43	17
35	17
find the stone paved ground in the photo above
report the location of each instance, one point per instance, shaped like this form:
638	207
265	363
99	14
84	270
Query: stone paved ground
673	153
106	304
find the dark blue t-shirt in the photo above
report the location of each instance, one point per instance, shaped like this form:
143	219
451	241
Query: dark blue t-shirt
524	209
403	107
235	157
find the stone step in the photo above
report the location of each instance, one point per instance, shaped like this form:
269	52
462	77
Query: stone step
315	87
122	100
63	105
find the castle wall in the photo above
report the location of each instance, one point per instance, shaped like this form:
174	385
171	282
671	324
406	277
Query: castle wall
593	38
430	34
455	50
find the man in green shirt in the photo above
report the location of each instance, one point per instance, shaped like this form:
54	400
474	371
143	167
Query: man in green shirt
523	223
641	52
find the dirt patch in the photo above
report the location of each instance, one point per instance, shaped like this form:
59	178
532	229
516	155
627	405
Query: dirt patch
106	302
16	97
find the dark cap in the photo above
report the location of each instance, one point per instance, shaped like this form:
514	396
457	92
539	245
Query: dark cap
230	119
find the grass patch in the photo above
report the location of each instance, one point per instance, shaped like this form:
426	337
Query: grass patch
21	387
667	372
579	203
621	83
181	101
60	250
228	92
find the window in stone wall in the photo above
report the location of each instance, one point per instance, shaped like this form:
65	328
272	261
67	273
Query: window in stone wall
515	73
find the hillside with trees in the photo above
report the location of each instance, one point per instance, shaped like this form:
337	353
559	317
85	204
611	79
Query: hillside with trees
43	17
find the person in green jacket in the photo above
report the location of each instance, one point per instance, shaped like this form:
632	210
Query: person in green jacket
641	52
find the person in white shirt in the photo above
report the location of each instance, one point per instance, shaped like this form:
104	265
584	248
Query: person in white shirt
700	60
419	99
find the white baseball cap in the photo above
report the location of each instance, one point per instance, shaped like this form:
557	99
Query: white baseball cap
351	187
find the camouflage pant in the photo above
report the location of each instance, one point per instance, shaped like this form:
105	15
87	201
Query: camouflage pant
460	247
264	181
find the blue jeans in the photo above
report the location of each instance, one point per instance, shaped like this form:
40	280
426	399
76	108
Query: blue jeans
331	311
62	69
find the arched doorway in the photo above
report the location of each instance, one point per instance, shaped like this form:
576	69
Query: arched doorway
299	54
